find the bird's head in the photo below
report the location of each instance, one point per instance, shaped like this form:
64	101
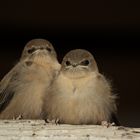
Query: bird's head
78	63
37	48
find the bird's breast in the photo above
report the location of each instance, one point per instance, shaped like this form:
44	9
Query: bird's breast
75	87
80	101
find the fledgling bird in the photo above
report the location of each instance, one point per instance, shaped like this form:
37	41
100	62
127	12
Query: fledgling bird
23	88
79	94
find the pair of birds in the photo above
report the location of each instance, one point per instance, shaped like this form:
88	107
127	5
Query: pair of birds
38	87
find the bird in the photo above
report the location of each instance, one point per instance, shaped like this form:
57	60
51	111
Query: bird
80	94
22	89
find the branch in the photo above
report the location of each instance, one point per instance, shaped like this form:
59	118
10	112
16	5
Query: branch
39	130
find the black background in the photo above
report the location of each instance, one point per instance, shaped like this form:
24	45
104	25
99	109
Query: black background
110	30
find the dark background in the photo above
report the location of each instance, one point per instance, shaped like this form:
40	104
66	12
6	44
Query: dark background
108	29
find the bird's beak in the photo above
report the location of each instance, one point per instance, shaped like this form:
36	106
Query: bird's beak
39	50
75	65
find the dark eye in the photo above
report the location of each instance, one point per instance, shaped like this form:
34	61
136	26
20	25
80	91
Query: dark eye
49	49
85	62
31	50
68	63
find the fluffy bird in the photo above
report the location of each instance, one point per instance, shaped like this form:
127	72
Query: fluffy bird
80	94
23	88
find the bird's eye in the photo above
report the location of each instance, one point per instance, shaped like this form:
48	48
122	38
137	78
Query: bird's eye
68	63
85	62
31	50
48	49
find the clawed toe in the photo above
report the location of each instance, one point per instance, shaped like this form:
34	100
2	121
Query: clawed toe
53	121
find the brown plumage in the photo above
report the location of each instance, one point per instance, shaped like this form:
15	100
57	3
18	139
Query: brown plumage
79	94
23	88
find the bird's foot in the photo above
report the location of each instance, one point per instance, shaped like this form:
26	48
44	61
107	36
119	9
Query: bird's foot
107	124
53	121
20	117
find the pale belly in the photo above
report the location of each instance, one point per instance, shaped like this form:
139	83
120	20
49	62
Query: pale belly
79	102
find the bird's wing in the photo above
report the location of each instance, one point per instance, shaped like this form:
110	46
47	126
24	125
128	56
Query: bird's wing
6	90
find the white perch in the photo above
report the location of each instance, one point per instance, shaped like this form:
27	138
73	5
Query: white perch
39	130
